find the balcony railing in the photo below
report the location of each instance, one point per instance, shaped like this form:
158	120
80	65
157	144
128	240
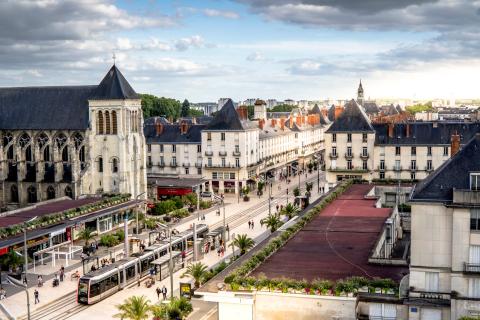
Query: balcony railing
236	153
397	168
465	196
209	153
429	295
364	155
173	164
222	153
186	164
413	168
333	155
161	164
348	155
381	168
429	169
149	164
353	169
471	267
213	165
198	164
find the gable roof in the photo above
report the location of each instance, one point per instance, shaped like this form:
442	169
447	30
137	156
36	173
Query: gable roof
171	134
114	86
352	119
58	107
47	108
452	174
371	107
227	118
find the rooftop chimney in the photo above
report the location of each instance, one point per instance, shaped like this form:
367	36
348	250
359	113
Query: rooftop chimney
282	123
454	144
183	127
407	129
158	128
390	130
261	122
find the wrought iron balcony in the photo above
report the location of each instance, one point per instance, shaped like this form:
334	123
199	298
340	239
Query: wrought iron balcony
198	164
413	168
429	169
173	164
209	153
397	168
381	168
364	155
161	164
222	153
236	153
333	155
186	164
471	267
348	155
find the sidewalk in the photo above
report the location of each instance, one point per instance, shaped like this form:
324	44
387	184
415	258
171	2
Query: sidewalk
255	209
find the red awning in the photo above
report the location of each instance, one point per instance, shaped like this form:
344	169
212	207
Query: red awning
173	191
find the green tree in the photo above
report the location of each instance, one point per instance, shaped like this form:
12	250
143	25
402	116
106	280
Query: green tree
272	222
11	260
86	234
296	192
290	210
178	308
185	108
282	108
197	271
134	308
243	242
419	107
153	106
250	112
195	113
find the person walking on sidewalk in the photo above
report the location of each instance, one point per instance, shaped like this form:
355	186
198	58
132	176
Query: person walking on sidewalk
253	224
164	292
158	292
62	273
249	224
35	293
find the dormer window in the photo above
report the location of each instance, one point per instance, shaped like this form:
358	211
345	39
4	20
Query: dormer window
475	181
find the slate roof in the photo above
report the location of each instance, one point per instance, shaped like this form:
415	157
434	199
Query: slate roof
45	108
315	109
452	174
331	113
352	119
171	134
425	133
58	107
389	110
114	86
371	108
227	118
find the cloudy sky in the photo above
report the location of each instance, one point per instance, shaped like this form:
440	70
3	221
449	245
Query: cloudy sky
204	50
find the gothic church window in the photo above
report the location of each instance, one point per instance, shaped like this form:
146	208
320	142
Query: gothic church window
77	140
100	122
114	122
24	140
68	192
65	154
100	164
107	122
13	194
32	194
50	193
61	140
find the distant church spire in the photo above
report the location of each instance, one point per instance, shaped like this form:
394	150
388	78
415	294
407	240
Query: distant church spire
114	57
360	93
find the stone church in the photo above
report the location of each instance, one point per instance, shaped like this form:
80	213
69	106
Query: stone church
71	141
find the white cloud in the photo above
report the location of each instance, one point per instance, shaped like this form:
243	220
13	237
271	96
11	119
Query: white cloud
256	56
221	13
186	43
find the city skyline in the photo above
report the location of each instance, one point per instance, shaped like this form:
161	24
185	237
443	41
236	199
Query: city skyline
281	49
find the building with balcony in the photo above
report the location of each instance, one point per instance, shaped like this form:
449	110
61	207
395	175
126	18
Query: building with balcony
445	250
231	151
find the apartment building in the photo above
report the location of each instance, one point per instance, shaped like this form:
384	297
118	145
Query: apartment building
445	248
231	151
400	151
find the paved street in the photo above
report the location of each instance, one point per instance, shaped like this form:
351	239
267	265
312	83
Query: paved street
60	303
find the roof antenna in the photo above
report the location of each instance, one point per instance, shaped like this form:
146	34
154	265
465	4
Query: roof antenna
114	57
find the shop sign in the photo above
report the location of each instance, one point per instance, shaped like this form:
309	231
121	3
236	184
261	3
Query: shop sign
173	191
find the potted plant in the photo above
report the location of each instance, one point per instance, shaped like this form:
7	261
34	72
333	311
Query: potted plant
246	191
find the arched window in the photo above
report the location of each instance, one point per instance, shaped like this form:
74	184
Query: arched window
114	122
68	192
13	194
100	122
114	165
28	154
50	192
46	153
81	154
24	140
65	154
7	138
100	164
42	140
32	194
10	153
77	139
107	122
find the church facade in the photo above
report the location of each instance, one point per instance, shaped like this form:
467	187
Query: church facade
71	141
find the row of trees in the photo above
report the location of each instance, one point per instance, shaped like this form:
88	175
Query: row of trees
419	107
139	308
154	106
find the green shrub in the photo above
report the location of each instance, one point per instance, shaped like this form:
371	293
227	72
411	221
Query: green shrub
179	213
120	234
108	240
178	202
205	204
164	207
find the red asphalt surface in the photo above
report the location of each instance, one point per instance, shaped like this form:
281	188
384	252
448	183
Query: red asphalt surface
336	244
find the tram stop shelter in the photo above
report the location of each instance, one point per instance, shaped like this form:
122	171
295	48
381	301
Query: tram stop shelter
161	264
65	249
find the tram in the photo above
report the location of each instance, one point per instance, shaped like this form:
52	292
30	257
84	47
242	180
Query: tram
99	284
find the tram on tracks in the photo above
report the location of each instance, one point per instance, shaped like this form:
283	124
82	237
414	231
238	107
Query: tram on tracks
99	284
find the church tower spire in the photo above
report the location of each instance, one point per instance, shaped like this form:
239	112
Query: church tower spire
360	93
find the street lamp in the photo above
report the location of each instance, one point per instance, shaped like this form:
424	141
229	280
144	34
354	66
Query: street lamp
170	264
136	198
26	262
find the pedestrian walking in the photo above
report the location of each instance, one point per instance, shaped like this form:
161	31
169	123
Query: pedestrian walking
158	292
249	224
253	224
39	281
164	292
35	293
62	273
278	207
